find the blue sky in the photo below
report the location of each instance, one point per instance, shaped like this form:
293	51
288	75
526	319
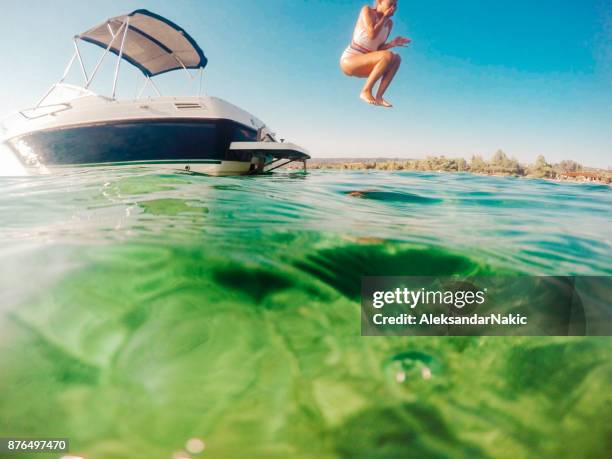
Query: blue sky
527	77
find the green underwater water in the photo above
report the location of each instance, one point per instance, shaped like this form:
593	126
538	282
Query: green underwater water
140	309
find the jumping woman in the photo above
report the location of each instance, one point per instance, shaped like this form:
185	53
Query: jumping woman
368	55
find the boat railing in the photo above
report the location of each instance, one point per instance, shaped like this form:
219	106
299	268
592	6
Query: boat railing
61	107
29	114
57	99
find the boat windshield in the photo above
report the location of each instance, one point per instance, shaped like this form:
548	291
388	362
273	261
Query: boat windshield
65	93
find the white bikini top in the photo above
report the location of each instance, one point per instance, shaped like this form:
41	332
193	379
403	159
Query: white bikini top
363	43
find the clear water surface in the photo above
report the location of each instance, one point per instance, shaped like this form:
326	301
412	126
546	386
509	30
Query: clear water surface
140	309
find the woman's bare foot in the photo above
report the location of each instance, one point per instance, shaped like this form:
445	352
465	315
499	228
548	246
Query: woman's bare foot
383	103
367	97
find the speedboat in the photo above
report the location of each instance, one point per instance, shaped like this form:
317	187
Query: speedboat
71	126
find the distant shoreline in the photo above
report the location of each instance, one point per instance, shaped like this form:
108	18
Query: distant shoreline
498	165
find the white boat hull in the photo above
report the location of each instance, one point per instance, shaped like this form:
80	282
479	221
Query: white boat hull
198	134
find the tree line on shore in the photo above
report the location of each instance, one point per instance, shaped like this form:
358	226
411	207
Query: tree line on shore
499	164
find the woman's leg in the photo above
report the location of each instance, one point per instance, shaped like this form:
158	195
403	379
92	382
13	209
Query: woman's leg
387	79
371	66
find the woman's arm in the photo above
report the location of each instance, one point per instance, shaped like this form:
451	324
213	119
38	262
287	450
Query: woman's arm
397	41
372	28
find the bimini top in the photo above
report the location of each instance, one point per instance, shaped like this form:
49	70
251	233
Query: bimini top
152	43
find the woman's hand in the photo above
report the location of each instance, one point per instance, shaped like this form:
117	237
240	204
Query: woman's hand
390	12
399	41
374	23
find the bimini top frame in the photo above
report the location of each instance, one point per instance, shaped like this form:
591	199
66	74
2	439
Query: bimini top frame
148	41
